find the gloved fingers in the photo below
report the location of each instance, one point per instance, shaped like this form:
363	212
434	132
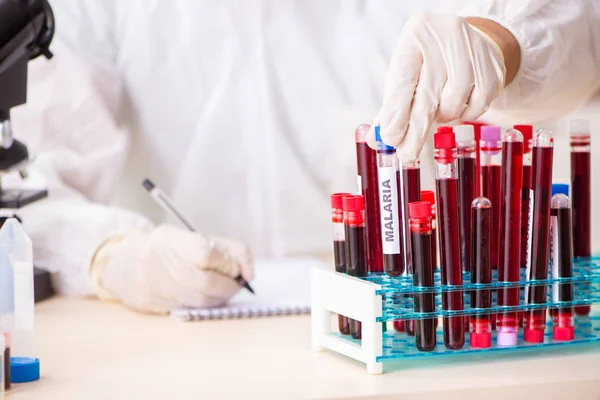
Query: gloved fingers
207	289
241	254
402	79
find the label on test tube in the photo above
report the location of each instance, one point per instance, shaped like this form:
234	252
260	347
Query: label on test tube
388	198
554	260
529	243
338	232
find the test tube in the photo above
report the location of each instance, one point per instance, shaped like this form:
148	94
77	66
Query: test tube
491	156
481	272
527	132
449	229
339	247
366	159
561	245
392	235
556	189
356	256
6	374
539	229
421	242
581	193
429	196
465	142
507	325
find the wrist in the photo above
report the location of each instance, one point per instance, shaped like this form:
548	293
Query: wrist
506	42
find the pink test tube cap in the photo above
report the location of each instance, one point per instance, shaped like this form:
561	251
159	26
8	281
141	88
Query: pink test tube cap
533	335
507	338
563	333
491	134
480	340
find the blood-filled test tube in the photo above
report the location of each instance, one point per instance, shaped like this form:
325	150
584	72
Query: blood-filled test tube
465	142
392	236
477	129
339	247
421	241
366	159
429	196
481	272
539	230
449	229
507	325
491	157
561	245
527	132
7	346
581	193
356	255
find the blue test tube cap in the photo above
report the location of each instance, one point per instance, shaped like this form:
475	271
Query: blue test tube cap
24	369
382	146
560	188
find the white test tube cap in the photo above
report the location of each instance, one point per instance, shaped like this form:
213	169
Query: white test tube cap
579	126
464	133
507	338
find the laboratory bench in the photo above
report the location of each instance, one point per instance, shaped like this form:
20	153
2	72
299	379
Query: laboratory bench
94	350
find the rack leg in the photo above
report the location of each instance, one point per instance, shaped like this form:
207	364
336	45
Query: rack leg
321	321
372	344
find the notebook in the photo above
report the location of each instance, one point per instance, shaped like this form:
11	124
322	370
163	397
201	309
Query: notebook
282	288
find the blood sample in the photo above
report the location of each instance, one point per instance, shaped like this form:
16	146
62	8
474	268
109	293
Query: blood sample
539	228
465	142
477	126
428	195
421	241
366	159
557	188
339	247
490	181
451	269
391	230
7	345
581	193
511	188
561	246
527	132
356	256
481	272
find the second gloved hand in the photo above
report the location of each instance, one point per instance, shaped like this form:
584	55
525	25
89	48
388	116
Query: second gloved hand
167	267
442	69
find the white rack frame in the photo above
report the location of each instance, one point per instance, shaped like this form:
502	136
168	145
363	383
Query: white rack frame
333	292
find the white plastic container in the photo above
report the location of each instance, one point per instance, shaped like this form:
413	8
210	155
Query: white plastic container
16	288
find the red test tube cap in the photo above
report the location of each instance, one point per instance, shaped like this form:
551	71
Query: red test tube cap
563	333
443	140
419	209
444	129
480	340
533	335
353	203
428	196
336	200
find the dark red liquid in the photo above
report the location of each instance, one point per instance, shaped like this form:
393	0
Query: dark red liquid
542	185
490	185
395	264
423	277
510	230
563	316
481	271
399	325
451	269
356	264
339	253
527	185
466	193
409	325
367	169
582	218
434	248
412	190
7	378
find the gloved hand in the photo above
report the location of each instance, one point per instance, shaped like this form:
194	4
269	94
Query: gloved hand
166	267
442	69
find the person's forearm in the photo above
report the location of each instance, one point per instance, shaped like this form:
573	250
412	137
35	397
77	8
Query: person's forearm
505	40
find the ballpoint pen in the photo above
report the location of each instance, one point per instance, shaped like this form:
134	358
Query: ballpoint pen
161	198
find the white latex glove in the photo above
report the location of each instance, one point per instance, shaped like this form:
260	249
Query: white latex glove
442	69
167	267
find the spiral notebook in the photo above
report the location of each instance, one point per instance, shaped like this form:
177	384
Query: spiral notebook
282	288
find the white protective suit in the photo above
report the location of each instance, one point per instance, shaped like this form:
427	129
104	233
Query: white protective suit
244	111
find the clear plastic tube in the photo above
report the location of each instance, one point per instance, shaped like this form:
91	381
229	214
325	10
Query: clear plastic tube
449	229
429	196
527	132
339	247
491	161
507	325
539	228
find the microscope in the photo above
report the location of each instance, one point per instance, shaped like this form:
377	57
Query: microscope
26	30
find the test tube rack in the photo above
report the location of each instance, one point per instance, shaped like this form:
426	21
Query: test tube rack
379	298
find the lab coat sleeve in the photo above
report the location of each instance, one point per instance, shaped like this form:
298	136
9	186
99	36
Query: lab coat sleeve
70	122
560	55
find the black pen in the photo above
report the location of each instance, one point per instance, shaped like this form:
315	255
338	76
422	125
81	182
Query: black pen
162	200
